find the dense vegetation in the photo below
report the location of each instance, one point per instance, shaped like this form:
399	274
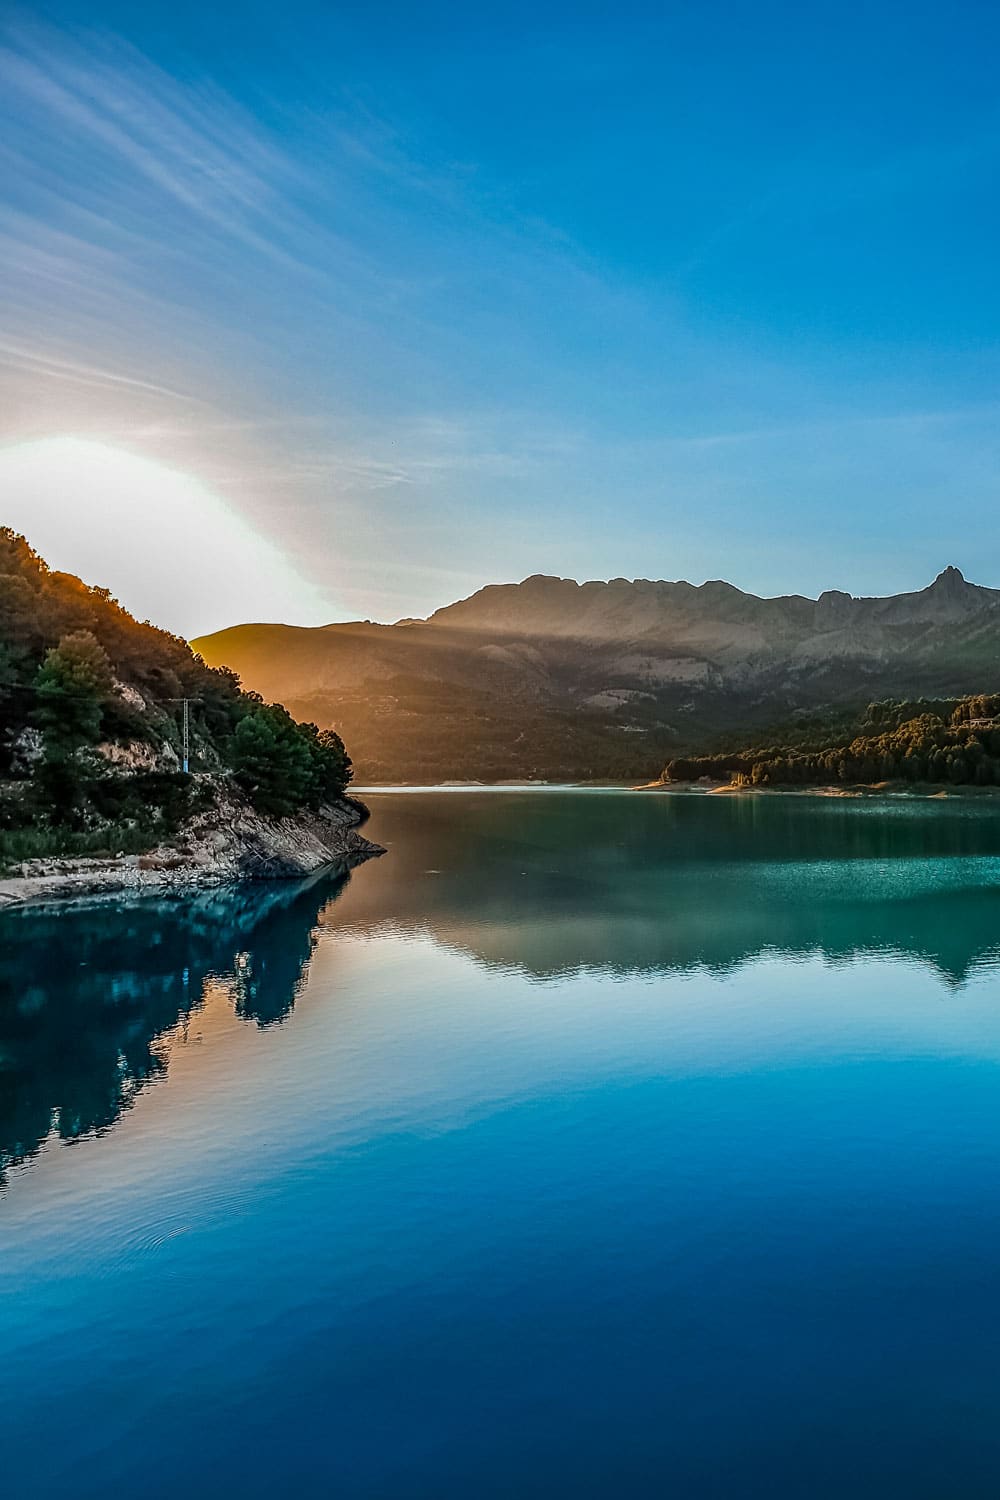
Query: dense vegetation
952	741
91	705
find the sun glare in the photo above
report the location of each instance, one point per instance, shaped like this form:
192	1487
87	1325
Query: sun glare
169	548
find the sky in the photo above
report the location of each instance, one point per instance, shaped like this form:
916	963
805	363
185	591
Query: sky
335	311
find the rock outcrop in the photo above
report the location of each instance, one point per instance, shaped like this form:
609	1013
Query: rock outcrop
229	842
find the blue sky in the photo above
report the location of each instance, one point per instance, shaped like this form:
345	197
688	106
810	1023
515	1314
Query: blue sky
436	296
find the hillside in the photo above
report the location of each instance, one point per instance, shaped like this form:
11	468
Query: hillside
555	679
91	726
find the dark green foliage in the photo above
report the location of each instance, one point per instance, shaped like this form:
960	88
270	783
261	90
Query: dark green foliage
82	682
121	815
952	741
71	687
284	765
331	763
271	760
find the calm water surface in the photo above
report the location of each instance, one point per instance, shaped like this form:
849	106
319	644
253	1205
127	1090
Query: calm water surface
587	1144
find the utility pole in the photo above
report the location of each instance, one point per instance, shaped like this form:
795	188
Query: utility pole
185	728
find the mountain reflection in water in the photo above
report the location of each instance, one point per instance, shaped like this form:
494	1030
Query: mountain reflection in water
588	1143
548	883
555	882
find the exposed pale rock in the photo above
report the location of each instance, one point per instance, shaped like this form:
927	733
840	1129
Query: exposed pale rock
26	751
132	755
230	842
130	695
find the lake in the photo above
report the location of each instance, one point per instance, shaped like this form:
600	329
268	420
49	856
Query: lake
588	1144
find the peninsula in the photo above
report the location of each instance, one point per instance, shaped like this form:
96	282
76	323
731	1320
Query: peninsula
128	763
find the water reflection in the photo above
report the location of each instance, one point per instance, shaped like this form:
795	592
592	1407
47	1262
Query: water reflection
553	883
88	995
544	885
663	1225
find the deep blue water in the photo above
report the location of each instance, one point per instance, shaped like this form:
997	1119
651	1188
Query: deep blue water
587	1144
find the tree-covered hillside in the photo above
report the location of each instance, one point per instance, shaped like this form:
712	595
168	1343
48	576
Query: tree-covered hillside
951	741
91	713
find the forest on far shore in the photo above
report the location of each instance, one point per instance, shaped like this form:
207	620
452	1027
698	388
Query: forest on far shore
951	741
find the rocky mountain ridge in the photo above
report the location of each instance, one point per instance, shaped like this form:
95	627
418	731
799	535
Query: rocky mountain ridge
715	623
554	678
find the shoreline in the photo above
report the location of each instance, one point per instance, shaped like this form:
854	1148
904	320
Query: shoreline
393	788
922	791
227	845
231	844
900	791
870	791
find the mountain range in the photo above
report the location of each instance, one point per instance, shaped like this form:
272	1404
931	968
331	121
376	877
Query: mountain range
550	678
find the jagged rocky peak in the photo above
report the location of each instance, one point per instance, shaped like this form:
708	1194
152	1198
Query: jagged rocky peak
952	591
951	581
949	598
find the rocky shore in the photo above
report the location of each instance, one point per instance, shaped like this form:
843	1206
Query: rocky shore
230	842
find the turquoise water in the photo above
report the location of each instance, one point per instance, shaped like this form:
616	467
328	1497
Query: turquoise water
587	1144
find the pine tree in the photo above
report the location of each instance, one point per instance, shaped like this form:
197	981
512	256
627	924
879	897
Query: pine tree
71	687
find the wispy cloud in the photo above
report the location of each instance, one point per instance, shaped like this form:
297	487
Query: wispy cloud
62	369
156	227
198	152
364	341
169	199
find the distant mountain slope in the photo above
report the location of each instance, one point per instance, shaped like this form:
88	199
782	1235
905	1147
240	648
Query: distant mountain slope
553	678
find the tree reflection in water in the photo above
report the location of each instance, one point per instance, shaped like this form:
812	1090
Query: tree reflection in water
543	885
88	994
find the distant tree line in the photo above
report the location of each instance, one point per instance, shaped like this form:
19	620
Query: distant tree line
80	676
952	741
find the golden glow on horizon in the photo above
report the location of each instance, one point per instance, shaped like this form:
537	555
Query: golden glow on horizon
169	548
